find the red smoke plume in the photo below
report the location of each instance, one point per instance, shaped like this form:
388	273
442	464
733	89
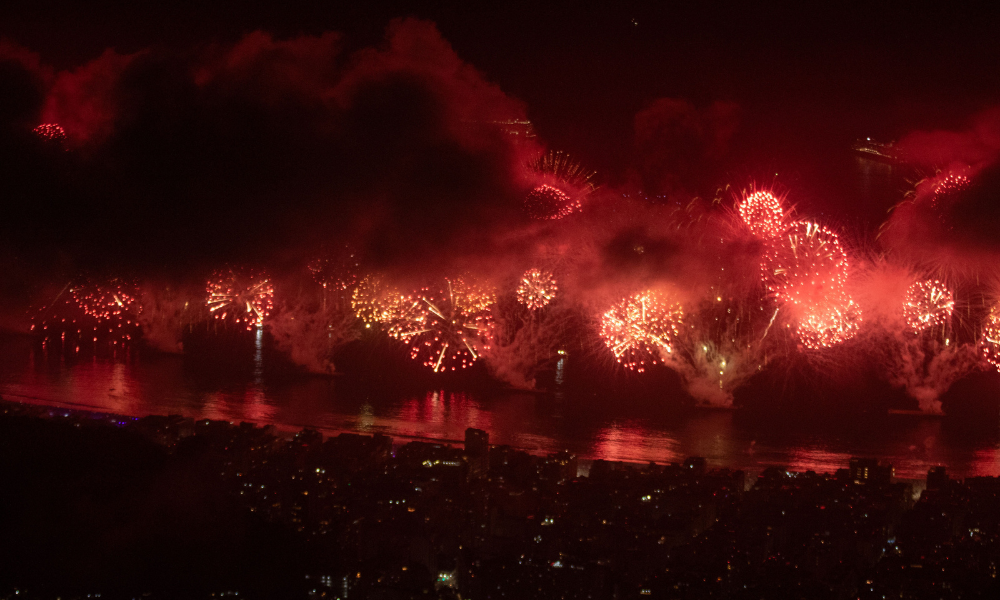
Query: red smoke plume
84	101
975	146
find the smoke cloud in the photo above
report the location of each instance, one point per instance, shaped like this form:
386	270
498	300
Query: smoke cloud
269	152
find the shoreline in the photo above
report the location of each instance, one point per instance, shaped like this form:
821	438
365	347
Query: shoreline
288	431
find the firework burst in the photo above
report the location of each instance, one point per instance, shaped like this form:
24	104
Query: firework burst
106	303
242	299
763	214
536	289
561	185
447	329
806	266
640	328
928	304
989	342
92	311
548	202
50	131
375	302
830	323
949	185
560	166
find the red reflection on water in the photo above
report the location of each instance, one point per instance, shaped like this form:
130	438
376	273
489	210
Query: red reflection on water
440	414
256	408
630	441
819	460
985	463
525	421
252	406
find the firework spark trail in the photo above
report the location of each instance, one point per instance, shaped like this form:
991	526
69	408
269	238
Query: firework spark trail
806	269
797	270
561	184
763	214
949	185
928	304
769	323
98	311
549	202
243	299
337	271
104	303
829	324
560	166
807	265
370	299
989	341
445	329
524	343
51	131
640	328
718	347
536	289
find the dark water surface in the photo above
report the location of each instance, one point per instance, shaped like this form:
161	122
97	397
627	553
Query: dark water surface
592	427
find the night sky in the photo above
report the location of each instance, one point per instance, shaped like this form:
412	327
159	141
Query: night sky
243	131
349	188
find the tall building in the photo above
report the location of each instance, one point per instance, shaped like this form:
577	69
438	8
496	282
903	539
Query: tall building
560	467
477	452
696	465
937	478
865	470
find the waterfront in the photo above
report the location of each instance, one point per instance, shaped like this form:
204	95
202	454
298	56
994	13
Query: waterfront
591	427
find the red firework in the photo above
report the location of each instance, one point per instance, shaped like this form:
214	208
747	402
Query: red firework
806	265
949	185
830	323
336	272
640	328
989	342
762	213
447	328
537	289
91	312
558	166
928	304
246	299
561	184
106	303
548	202
50	131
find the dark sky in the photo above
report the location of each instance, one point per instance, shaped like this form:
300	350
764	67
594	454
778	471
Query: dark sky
584	71
669	97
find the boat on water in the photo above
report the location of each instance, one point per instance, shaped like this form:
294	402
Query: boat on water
869	148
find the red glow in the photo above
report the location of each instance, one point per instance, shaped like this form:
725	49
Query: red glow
640	327
829	324
762	213
242	299
989	342
51	131
547	202
91	312
537	289
950	184
447	328
928	304
806	265
336	273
